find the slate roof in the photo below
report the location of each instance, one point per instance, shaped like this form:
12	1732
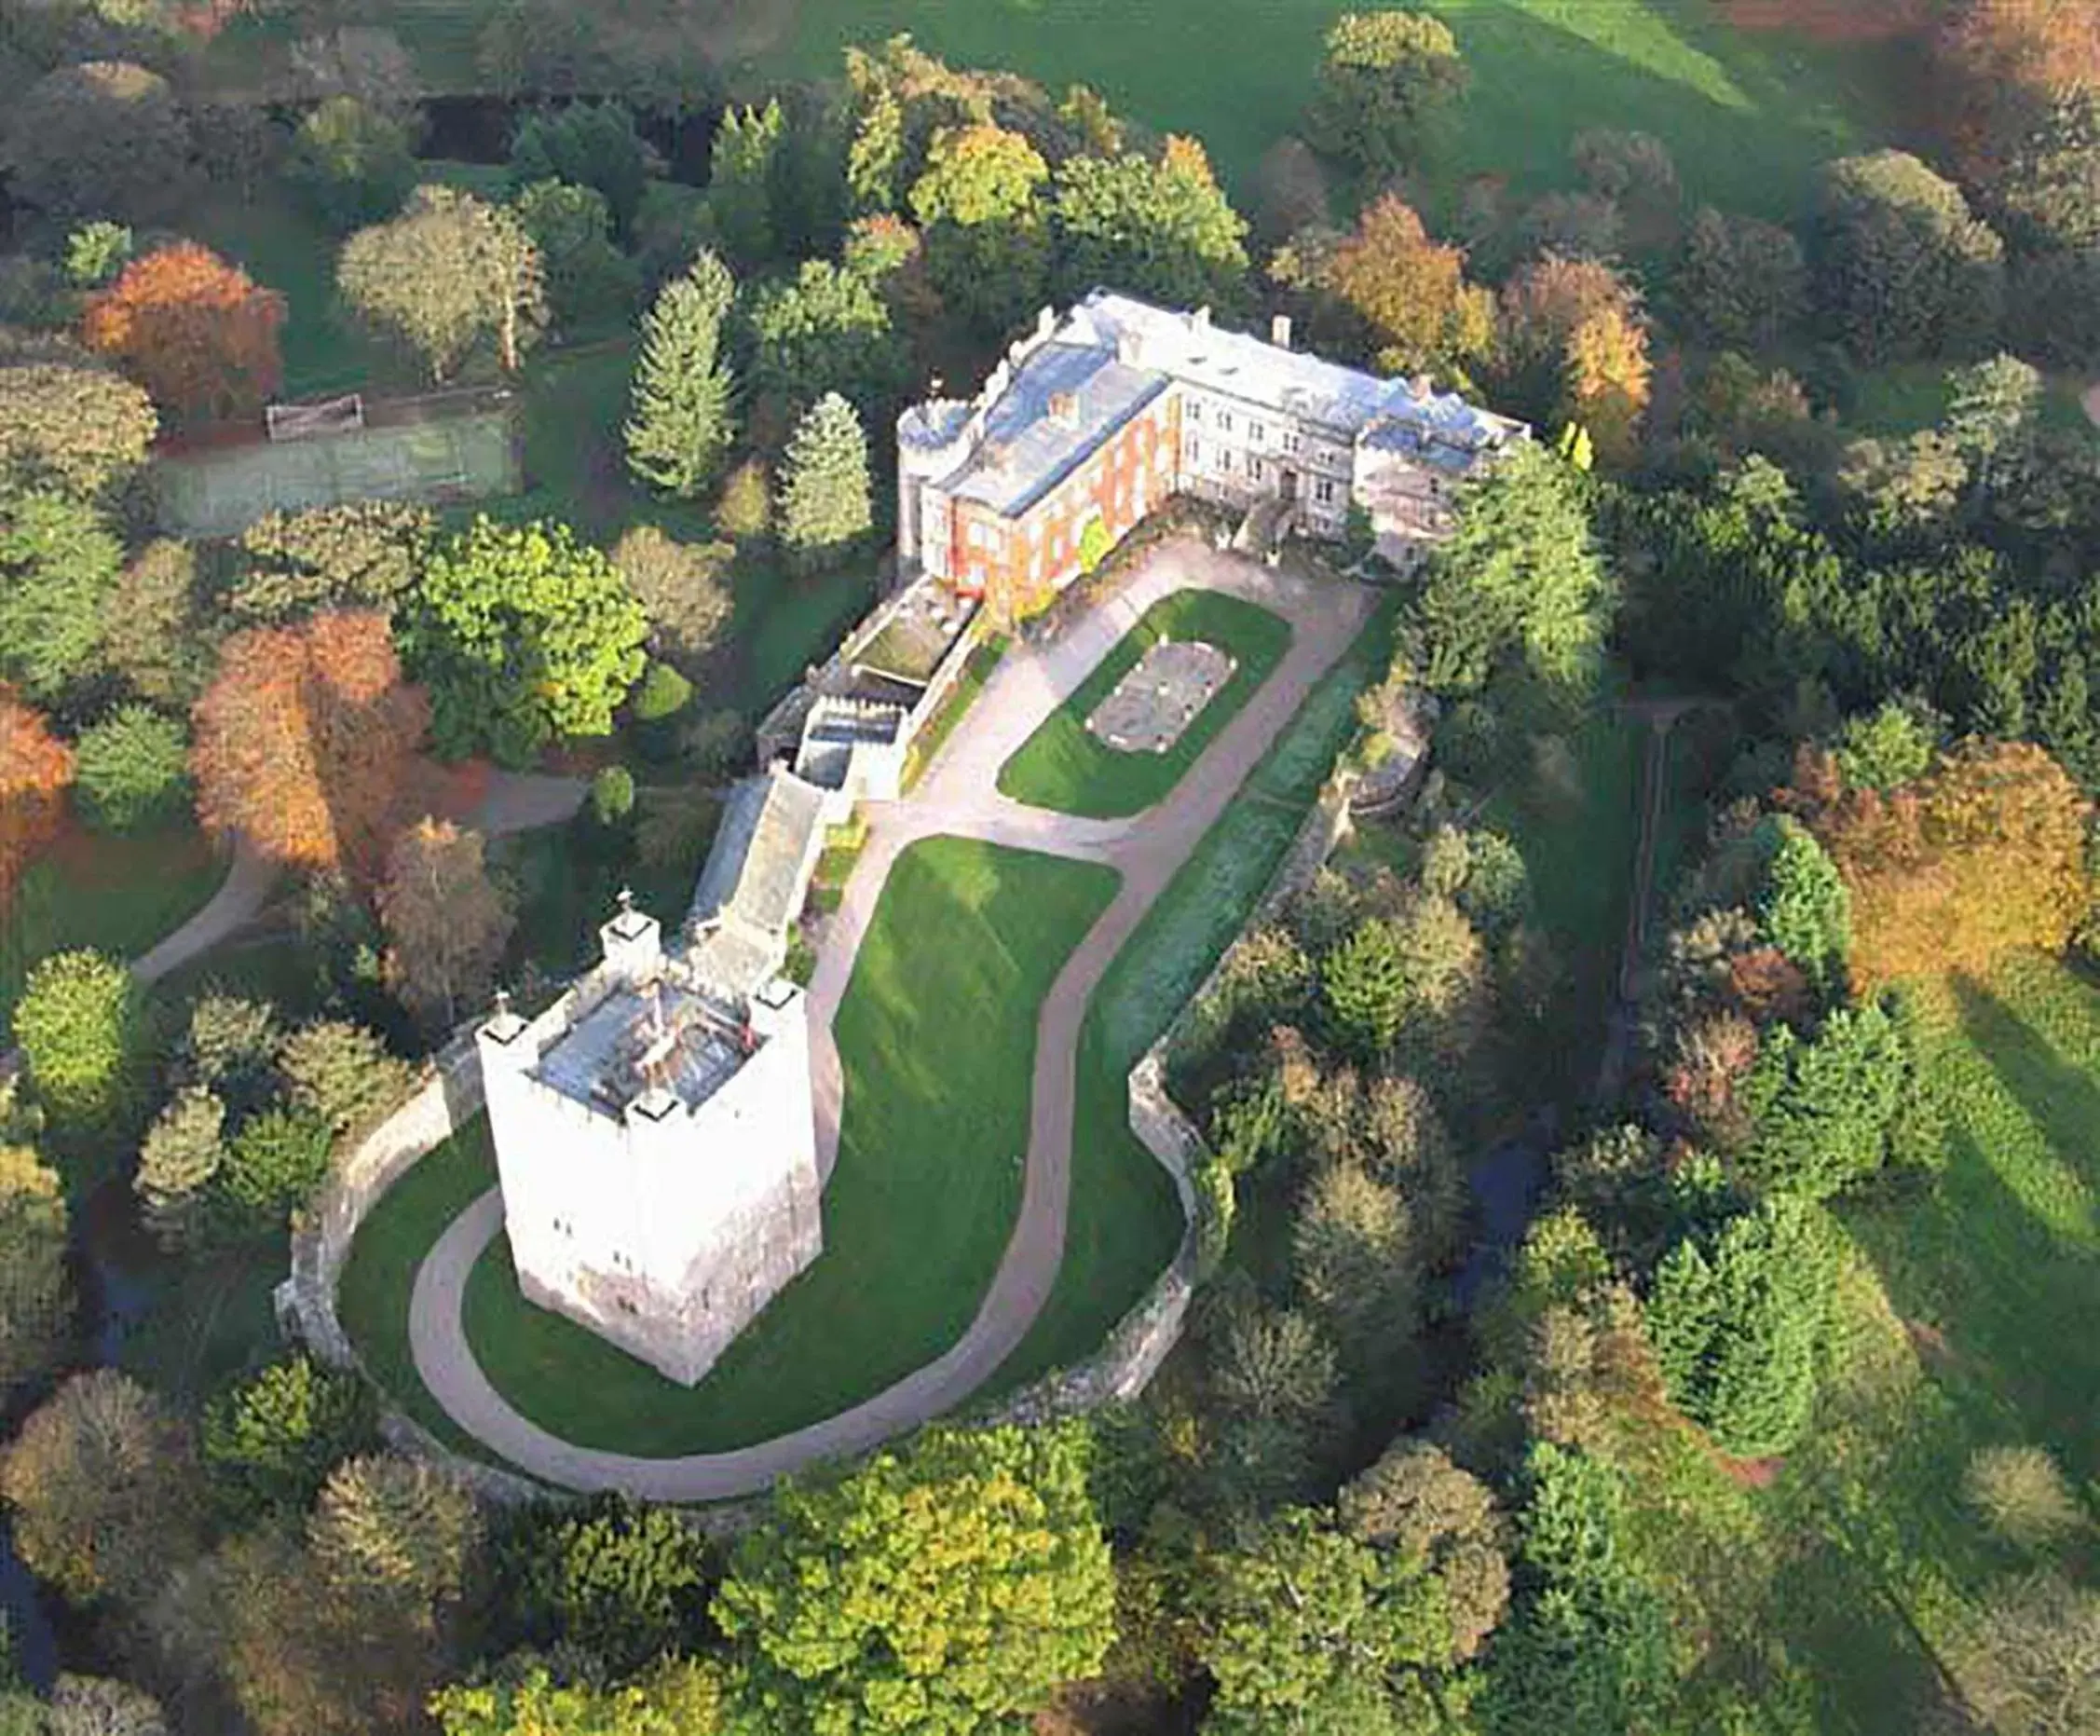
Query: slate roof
1025	451
758	867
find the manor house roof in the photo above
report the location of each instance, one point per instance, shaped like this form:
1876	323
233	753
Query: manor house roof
1030	445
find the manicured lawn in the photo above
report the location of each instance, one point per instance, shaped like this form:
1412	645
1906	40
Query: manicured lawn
937	1035
1124	1221
373	1298
90	889
1748	116
1064	767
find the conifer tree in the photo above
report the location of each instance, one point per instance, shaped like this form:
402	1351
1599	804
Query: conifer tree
178	1164
683	422
740	179
824	496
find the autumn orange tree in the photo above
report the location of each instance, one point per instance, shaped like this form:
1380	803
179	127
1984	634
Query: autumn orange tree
1995	58
305	742
36	767
1411	291
197	333
1577	349
1984	854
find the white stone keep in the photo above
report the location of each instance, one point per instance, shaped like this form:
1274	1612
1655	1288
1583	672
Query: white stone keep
656	1147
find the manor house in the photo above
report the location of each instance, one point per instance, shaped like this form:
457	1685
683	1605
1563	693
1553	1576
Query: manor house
1092	421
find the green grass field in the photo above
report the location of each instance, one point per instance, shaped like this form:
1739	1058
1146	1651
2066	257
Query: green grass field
1748	116
937	1036
1859	1561
1124	1221
93	889
1064	767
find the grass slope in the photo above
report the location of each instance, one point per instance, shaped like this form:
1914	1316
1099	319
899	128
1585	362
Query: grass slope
1837	1585
1124	1221
1748	116
937	1035
92	889
1065	768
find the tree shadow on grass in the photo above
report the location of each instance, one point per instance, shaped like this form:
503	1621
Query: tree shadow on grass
1998	1274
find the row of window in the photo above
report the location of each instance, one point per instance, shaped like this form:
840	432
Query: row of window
1323	486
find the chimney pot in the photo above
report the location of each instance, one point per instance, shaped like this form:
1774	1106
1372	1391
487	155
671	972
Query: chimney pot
1279	329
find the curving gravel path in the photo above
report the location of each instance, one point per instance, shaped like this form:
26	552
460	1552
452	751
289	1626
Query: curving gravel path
958	796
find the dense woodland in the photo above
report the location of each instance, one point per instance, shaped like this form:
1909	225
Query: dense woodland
1384	1486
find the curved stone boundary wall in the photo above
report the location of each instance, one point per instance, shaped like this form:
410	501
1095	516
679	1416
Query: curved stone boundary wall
1138	1343
446	1098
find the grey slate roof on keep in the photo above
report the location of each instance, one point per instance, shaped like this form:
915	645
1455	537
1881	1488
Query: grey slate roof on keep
1025	451
592	1062
759	867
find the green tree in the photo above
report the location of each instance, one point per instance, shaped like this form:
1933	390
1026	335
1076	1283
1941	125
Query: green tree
70	427
353	163
275	1163
358	555
524	636
682	587
825	330
152	634
1367	988
2034	1666
77	1025
1386	83
1520	577
179	1165
943	1587
131	768
104	1487
271	1438
682	419
1903	268
1821	1108
231	1045
395	1530
591	144
58	565
624	1581
1741	284
1416	1504
102	138
2046	190
588	279
36	1299
987	244
1737	1322
340	1074
447	274
876	150
1164	229
824	490
741	175
1804	909
95	252
679	1697
1589	1650
1888	747
1305	1629
1352	1250
100	1705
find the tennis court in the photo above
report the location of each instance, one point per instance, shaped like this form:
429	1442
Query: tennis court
406	451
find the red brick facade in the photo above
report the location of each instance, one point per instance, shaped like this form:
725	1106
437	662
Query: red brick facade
1018	565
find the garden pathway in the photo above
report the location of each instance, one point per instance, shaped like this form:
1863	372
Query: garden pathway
957	797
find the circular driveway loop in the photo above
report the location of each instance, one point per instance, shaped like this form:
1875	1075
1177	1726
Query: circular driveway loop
957	797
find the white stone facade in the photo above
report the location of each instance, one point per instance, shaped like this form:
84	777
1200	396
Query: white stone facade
656	1147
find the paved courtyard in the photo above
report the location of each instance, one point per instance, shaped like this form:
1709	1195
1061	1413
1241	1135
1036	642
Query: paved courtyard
957	797
1159	699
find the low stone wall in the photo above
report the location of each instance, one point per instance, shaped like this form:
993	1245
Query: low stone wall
1139	1342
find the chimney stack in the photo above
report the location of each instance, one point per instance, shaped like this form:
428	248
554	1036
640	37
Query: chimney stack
1064	409
1279	329
1422	386
1200	319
